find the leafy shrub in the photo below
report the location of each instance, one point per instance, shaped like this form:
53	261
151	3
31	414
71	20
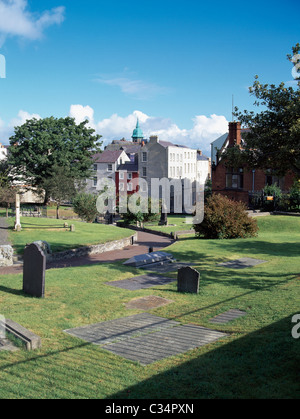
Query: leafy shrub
225	219
84	205
295	195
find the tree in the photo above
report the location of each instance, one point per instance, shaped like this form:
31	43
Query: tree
85	205
60	186
273	137
39	146
7	190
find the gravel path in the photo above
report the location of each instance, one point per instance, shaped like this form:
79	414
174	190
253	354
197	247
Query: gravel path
3	231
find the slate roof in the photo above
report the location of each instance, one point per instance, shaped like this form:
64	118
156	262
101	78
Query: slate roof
129	167
108	156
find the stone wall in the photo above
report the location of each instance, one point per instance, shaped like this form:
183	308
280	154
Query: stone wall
94	249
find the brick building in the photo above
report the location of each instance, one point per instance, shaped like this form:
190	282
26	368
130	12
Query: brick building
237	183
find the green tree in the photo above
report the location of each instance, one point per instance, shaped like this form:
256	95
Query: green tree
273	137
85	205
39	146
61	186
7	190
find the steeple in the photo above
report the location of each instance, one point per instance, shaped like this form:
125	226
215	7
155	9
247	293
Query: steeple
137	135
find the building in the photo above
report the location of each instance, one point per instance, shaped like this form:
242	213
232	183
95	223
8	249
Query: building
105	165
127	162
238	183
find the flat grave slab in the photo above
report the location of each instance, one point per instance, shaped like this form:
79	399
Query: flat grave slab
147	303
121	329
141	282
166	266
228	316
242	263
162	344
148	258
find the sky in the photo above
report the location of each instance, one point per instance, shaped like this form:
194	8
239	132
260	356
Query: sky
176	65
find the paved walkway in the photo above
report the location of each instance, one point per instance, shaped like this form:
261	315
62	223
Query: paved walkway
3	231
144	241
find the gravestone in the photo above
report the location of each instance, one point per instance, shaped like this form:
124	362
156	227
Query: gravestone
34	271
188	280
72	227
163	217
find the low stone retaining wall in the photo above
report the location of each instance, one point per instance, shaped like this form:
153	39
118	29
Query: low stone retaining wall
173	235
29	339
294	214
93	249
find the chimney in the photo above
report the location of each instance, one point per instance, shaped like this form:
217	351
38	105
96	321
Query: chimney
234	137
199	152
154	139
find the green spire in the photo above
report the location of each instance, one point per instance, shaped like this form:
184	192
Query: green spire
137	132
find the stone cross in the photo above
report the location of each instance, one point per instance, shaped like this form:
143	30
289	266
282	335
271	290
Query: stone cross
188	280
18	219
34	271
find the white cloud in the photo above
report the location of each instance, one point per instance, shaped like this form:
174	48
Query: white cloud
205	129
139	89
7	130
81	113
17	20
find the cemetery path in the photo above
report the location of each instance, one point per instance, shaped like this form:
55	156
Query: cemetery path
144	241
3	232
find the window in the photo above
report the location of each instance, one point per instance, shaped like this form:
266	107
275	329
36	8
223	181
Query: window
144	156
95	180
234	178
121	175
129	176
109	167
95	167
129	187
144	171
121	186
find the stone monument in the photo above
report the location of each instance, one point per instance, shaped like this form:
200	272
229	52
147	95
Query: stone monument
188	280
34	271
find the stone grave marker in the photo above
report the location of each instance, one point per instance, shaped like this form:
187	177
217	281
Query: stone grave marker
34	267
188	280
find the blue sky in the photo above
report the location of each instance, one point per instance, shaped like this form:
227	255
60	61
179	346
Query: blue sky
174	64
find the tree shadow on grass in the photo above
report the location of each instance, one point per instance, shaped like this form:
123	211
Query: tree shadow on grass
251	247
262	364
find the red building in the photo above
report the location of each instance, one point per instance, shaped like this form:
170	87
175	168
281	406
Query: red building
237	183
127	177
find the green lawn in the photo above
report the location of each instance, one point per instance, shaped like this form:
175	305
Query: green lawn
259	358
175	223
60	238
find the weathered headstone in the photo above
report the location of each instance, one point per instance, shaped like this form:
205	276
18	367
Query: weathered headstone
163	216
34	271
188	280
6	255
72	227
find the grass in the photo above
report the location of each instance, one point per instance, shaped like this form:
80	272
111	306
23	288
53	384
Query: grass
259	358
175	223
60	238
